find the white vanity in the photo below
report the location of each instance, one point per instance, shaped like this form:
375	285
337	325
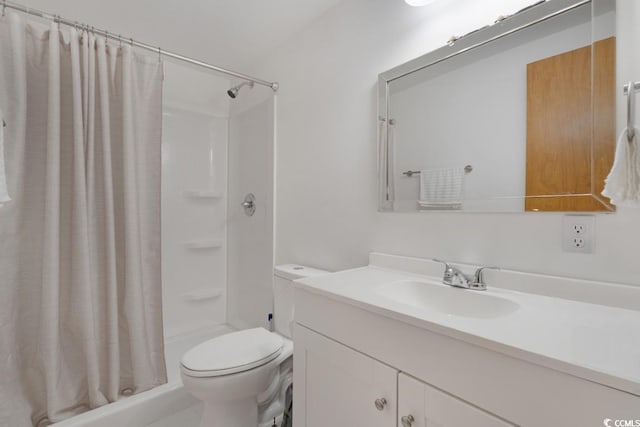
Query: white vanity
390	345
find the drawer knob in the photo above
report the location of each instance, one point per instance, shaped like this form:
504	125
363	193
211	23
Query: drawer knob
407	420
380	403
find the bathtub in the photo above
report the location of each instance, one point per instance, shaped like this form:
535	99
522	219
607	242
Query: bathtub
166	405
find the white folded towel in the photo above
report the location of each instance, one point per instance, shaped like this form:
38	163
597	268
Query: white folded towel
441	189
622	185
4	193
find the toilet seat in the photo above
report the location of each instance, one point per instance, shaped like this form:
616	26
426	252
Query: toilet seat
232	353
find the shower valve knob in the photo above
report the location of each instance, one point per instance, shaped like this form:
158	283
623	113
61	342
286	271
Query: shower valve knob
380	403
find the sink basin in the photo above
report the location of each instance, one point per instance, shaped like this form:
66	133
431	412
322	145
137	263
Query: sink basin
447	299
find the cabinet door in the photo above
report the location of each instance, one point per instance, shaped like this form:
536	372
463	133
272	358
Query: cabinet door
337	386
424	406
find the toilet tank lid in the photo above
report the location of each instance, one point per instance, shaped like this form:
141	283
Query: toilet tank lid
297	271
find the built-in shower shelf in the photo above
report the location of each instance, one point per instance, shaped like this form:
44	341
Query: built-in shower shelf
202	294
203	194
203	244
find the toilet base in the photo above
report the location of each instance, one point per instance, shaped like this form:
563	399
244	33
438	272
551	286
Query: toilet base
239	413
232	400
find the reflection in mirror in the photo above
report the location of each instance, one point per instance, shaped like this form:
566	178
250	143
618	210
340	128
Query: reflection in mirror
519	116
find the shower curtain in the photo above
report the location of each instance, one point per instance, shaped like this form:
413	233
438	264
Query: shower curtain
80	289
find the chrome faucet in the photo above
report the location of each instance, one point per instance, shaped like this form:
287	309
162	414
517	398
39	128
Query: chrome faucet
453	276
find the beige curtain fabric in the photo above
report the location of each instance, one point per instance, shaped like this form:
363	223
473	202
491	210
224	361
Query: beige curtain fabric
80	289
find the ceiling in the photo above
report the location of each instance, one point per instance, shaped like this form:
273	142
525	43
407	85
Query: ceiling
232	34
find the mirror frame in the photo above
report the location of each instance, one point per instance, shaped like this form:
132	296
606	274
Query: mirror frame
534	14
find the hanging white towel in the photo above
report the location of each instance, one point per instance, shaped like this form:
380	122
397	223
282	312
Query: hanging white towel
4	192
441	189
622	185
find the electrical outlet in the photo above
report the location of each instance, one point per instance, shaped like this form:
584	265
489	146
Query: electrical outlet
578	242
578	233
578	228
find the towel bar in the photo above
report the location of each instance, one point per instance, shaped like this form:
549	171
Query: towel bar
467	169
631	104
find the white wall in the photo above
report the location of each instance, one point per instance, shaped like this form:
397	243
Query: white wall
250	239
326	180
194	158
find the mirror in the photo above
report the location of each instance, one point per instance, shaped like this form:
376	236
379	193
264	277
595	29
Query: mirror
518	116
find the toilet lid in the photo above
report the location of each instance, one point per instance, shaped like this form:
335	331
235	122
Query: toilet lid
233	352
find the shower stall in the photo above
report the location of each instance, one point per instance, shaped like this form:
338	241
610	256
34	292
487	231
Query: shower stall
216	145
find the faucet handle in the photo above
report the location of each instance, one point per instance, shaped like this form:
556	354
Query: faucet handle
448	270
452	276
478	279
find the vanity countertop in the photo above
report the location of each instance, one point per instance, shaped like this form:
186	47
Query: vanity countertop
595	342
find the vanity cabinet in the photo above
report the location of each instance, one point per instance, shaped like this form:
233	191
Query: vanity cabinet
347	354
339	386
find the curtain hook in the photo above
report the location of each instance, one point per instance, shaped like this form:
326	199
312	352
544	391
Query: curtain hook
4	7
159	54
131	41
120	40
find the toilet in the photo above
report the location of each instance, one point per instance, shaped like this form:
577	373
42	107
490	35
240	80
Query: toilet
233	373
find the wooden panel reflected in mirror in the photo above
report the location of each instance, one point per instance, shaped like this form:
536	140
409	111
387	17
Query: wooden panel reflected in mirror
570	146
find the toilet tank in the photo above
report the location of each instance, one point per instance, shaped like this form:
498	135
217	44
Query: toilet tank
284	275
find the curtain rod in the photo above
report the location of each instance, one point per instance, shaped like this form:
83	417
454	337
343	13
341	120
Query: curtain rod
132	42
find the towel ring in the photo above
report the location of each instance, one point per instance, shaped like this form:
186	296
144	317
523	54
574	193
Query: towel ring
631	95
